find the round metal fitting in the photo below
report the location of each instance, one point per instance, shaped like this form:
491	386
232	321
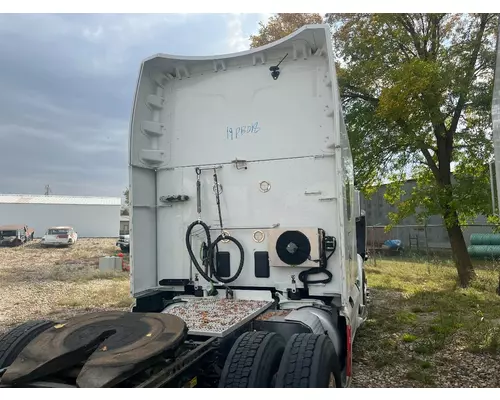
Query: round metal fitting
226	233
264	186
258	236
214	188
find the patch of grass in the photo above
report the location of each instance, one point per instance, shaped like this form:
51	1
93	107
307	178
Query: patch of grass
383	358
427	346
443	327
99	294
124	302
409	338
439	312
422	371
419	375
417	309
406	317
375	342
484	339
82	273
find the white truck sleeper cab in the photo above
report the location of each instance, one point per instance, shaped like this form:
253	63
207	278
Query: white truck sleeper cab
247	241
256	156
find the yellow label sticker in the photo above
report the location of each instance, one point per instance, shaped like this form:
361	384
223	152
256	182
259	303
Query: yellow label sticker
59	326
192	383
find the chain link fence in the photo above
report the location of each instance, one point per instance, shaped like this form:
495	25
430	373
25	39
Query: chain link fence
423	241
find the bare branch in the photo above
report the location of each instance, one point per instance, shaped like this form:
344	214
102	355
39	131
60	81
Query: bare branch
368	98
435	34
408	25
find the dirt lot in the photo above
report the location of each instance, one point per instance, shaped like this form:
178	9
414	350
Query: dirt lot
55	283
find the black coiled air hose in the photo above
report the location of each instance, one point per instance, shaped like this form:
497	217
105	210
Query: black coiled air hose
211	254
304	275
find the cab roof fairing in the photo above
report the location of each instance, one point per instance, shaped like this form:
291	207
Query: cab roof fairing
161	66
316	36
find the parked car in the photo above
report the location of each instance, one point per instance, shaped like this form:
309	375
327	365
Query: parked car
15	235
124	243
59	236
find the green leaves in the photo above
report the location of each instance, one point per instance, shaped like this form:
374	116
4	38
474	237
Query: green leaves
415	94
281	25
416	90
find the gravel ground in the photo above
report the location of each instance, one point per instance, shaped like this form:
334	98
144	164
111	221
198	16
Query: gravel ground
57	283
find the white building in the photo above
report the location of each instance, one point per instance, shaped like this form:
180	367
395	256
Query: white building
89	216
124	225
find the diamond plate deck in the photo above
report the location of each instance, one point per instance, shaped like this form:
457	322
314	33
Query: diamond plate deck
216	317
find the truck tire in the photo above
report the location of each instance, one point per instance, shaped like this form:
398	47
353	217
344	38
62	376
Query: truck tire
309	361
14	341
253	361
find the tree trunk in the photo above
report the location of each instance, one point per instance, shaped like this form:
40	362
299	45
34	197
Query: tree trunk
459	251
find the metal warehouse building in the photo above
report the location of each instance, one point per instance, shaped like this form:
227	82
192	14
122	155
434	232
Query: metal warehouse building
89	216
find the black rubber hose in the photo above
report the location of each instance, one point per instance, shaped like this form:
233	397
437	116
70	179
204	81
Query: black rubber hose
211	254
303	276
190	248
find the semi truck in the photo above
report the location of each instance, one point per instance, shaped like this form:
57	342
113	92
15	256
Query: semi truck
247	241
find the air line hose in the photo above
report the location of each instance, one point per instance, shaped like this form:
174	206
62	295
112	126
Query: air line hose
212	247
211	254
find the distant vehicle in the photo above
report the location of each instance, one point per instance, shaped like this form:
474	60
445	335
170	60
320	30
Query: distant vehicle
124	243
59	236
15	235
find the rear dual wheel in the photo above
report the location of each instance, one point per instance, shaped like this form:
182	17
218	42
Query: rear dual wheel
309	361
261	360
253	361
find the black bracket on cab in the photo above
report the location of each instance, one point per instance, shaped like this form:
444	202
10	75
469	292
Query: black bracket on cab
177	198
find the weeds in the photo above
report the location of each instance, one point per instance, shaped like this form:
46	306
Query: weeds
98	294
433	305
424	330
405	317
83	273
420	375
409	338
419	314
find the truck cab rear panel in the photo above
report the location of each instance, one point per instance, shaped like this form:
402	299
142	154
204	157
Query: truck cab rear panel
280	151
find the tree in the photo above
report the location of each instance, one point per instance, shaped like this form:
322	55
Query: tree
127	197
281	25
416	90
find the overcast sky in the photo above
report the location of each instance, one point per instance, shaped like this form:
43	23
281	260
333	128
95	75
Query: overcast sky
66	89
